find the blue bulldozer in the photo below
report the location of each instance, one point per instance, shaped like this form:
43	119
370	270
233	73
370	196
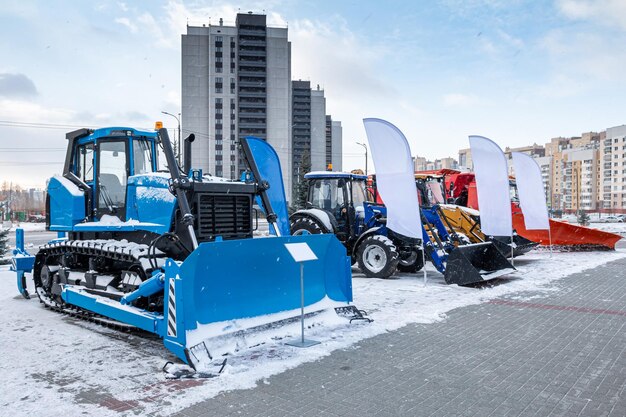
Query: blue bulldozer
342	204
172	252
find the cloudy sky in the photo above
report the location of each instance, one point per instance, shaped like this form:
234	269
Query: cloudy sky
516	71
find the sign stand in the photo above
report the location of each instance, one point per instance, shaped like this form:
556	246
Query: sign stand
301	253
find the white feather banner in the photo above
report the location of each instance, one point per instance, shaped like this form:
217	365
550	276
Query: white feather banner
492	184
532	196
395	177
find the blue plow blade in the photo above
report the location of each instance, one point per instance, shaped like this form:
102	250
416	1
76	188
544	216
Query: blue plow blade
224	286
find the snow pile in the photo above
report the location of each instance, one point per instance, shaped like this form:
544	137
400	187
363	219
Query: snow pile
155	194
618	228
127	368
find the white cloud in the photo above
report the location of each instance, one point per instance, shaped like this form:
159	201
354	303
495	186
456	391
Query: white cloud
593	55
606	12
124	21
26	111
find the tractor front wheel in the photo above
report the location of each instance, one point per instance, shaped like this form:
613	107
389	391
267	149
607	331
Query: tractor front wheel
301	224
377	257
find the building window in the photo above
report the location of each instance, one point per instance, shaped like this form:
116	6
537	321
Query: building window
218	84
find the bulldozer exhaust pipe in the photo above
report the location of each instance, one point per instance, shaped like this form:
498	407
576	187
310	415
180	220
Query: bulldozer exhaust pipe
187	159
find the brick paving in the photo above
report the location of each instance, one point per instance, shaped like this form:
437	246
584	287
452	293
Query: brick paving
561	354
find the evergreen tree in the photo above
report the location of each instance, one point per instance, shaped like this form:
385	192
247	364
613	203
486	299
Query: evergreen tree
300	188
583	218
4	246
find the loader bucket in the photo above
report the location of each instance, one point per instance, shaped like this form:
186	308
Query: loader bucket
521	245
236	287
480	262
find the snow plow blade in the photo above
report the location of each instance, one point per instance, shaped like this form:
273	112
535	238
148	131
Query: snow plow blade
568	235
469	264
521	245
227	294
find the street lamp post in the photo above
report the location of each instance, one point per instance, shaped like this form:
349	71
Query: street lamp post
365	147
179	136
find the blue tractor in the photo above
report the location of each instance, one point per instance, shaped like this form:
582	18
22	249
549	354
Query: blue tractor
338	203
172	252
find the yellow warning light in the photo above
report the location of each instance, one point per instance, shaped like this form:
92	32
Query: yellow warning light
329	167
158	125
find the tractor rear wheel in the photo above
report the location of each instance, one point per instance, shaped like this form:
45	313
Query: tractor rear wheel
377	257
302	224
412	262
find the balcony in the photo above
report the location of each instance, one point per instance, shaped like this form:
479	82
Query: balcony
251	52
251	63
257	84
250	113
251	125
251	104
260	31
245	93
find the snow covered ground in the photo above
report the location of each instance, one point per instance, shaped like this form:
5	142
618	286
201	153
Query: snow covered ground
28	227
58	362
619	228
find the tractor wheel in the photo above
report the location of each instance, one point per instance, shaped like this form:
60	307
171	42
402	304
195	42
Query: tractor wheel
301	224
413	262
377	257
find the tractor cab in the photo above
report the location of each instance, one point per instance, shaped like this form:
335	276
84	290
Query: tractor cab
341	196
430	189
101	162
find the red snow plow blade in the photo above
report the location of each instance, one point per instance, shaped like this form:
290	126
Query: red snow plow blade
566	234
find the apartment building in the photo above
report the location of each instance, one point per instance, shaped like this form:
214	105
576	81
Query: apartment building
614	168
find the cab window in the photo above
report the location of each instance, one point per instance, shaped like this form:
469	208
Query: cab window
84	166
112	174
327	194
358	192
142	157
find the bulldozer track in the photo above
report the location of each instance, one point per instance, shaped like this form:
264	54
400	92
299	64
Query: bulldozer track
133	254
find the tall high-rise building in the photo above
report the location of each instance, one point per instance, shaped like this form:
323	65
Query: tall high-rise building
236	81
336	144
316	137
301	126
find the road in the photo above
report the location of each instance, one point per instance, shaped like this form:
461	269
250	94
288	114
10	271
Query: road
34	238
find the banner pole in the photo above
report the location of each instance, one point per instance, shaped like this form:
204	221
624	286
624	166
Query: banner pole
424	264
512	258
550	239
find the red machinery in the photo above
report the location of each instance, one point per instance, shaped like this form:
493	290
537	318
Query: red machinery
461	186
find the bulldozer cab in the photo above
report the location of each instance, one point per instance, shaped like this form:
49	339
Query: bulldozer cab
341	195
102	160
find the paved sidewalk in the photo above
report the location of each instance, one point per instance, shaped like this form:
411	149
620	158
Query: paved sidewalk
526	355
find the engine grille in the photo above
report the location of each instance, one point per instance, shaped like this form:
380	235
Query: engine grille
229	216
